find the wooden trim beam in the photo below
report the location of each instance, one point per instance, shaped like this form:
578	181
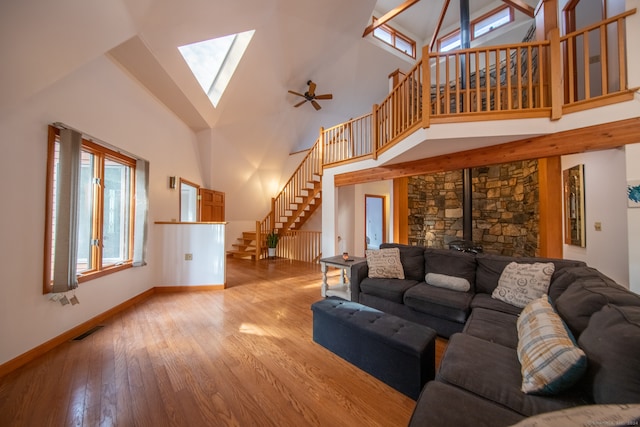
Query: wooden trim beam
434	37
389	16
590	138
521	6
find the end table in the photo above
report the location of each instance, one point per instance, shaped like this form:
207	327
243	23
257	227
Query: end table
342	289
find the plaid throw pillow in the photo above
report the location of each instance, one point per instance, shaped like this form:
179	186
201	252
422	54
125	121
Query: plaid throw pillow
550	359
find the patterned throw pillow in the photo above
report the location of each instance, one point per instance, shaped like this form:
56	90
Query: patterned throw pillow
519	284
384	263
549	357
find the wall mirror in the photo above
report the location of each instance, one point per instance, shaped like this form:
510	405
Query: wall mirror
574	218
188	201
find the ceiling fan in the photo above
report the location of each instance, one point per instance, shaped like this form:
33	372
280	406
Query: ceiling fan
310	95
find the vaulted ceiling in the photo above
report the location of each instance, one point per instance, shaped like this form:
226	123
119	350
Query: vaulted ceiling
295	40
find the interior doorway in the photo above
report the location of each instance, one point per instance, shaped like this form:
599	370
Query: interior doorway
375	221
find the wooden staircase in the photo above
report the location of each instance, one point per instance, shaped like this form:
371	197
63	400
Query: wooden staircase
290	209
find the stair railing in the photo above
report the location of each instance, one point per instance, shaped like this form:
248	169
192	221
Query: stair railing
347	141
309	168
610	47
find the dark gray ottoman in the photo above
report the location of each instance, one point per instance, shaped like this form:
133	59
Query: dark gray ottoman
394	350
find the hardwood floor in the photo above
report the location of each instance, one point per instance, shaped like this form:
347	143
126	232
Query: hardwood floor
239	357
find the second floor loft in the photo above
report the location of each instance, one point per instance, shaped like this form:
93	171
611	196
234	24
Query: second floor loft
548	78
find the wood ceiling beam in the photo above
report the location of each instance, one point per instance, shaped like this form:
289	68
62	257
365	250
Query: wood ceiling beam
521	6
591	138
434	37
389	16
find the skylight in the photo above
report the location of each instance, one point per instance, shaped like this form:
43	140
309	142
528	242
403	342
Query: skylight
214	61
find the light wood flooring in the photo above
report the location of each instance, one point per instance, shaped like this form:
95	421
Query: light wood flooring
239	357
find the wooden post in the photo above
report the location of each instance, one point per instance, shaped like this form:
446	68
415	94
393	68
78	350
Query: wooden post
375	132
556	74
321	151
550	198
258	240
401	210
426	88
273	214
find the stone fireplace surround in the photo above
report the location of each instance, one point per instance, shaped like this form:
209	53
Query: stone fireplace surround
505	208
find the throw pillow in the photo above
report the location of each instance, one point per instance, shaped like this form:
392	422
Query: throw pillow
549	357
449	282
519	284
588	415
384	263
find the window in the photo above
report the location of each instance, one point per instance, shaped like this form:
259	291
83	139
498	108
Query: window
449	42
479	27
105	206
214	61
493	20
394	38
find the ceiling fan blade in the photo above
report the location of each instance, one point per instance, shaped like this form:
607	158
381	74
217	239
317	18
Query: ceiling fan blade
300	103
296	93
326	96
312	88
315	105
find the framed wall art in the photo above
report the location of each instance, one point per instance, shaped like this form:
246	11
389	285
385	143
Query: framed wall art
574	212
633	194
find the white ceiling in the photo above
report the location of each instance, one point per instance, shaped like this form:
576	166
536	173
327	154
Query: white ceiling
294	41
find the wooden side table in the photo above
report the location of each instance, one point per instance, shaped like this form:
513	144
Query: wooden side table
343	288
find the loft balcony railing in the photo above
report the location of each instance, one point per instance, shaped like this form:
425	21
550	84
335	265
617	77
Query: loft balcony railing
534	79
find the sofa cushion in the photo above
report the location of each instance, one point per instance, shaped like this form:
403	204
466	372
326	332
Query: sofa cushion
454	283
444	405
566	277
490	267
412	259
440	302
385	263
493	326
551	361
389	289
485	301
492	371
519	284
587	295
612	344
451	263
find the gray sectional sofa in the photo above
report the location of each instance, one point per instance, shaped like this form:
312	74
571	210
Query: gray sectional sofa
480	379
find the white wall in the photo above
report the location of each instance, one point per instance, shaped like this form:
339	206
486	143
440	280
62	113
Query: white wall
633	219
102	101
605	202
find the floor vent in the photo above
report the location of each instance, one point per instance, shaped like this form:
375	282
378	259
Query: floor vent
89	332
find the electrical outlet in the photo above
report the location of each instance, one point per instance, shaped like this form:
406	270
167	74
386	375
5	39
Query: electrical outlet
188	257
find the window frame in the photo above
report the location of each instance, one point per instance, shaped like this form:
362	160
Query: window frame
102	153
476	21
395	35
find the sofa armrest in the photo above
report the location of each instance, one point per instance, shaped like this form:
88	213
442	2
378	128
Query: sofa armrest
359	272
